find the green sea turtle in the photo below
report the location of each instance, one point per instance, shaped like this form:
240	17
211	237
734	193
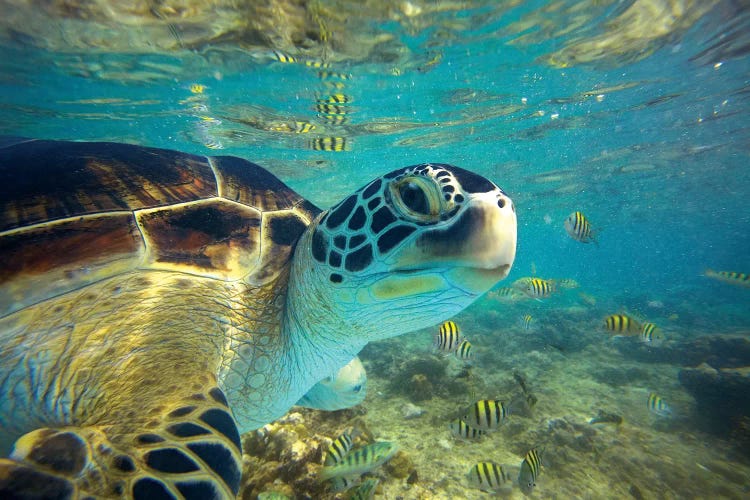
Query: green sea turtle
156	304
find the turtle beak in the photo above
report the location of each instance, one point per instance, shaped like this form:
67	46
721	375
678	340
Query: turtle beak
475	251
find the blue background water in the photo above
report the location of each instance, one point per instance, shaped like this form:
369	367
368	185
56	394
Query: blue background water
658	162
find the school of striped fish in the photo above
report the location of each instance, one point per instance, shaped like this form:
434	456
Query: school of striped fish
483	416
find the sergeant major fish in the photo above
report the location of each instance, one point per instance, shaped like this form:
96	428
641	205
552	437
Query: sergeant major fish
657	406
650	333
538	288
448	337
463	351
579	228
460	430
529	471
361	460
486	414
622	324
489	476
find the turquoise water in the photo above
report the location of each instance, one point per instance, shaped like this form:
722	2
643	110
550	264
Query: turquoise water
648	138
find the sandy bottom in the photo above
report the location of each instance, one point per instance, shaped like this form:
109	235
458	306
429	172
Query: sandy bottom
646	456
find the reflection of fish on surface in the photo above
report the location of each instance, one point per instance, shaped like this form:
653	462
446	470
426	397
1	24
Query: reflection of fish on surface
731	277
344	390
329	144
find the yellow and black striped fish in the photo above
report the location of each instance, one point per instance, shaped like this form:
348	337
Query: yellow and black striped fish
622	324
334	85
328	108
489	476
360	460
731	277
336	99
657	406
197	88
529	471
485	414
335	119
317	64
366	490
340	448
578	227
463	351
651	333
459	429
283	58
448	337
526	320
329	75
506	293
538	288
329	144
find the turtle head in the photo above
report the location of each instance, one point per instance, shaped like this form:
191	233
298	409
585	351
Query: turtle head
408	250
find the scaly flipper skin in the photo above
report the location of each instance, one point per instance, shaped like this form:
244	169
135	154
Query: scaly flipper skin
152	424
193	452
142	289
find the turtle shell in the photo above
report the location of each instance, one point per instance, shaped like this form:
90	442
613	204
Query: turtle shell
73	213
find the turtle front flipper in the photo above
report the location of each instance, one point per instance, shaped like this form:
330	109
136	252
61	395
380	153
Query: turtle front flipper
193	451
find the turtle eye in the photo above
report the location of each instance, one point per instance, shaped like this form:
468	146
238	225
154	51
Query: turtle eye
414	198
417	197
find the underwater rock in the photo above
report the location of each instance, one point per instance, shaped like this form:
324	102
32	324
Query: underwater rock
718	351
572	435
400	465
620	375
722	396
284	455
410	411
419	388
413	477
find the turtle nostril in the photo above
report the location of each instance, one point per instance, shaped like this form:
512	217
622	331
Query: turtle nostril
501	202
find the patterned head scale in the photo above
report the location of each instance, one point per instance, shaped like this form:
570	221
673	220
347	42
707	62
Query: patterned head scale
416	218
